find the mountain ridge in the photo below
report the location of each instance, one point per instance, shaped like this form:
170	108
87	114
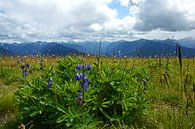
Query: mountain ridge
140	48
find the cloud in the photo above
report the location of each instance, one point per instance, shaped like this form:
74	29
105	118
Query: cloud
164	15
54	18
60	20
122	26
128	3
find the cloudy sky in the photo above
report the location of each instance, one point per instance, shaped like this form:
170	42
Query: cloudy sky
65	20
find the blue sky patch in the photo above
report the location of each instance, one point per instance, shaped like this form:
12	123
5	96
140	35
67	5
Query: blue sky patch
122	11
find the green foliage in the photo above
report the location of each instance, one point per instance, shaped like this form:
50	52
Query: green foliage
7	75
116	95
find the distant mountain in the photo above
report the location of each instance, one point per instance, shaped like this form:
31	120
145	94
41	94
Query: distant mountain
162	49
140	48
187	42
89	47
45	48
57	49
123	47
22	48
5	52
144	48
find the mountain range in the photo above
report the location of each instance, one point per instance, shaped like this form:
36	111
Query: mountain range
140	48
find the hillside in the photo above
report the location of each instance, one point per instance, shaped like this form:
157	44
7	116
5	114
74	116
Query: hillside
5	52
140	48
35	48
147	48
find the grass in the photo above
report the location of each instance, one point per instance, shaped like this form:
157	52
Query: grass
7	104
170	93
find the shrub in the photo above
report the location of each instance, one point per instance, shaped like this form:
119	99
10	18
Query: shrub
84	95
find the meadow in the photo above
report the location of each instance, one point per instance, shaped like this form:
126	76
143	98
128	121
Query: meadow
97	92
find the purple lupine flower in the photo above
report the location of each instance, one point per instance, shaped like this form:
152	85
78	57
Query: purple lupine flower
77	77
82	76
27	65
86	86
79	98
22	67
49	85
84	83
85	80
79	93
24	73
50	79
81	84
88	67
79	66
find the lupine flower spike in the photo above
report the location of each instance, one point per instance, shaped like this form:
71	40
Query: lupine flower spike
88	67
84	83
22	67
79	98
24	73
25	69
49	85
50	81
77	77
79	66
86	86
27	65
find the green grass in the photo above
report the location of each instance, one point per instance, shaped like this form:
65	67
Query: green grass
7	105
169	110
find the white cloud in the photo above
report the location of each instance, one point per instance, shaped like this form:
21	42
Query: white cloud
24	20
51	18
96	27
127	3
124	3
171	15
120	26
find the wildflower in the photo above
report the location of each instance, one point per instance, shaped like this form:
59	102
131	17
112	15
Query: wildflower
85	80
79	66
79	98
88	67
27	65
50	79
49	85
84	83
82	76
24	73
22	67
81	84
86	86
79	93
77	77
